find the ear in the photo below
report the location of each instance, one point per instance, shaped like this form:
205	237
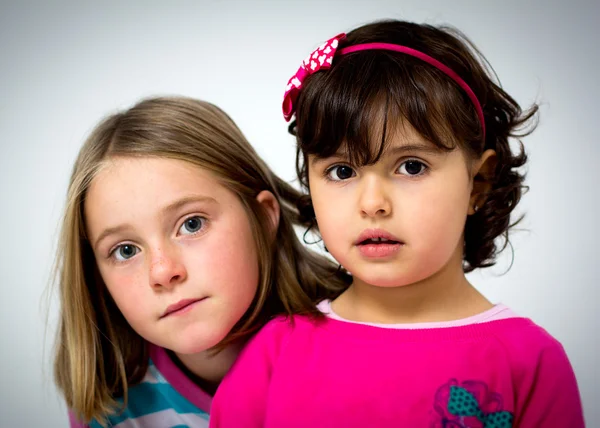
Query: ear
482	175
271	206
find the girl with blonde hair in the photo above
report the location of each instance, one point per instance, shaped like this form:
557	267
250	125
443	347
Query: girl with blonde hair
177	245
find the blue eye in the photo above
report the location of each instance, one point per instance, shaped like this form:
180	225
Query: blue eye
192	225
412	167
125	252
340	173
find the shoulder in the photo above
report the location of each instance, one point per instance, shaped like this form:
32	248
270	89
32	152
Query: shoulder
539	368
530	349
280	330
524	337
165	396
279	336
74	422
281	327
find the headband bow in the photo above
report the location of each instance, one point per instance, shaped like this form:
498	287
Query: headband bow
319	59
322	57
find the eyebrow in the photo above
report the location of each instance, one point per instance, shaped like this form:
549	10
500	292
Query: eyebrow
172	207
178	204
111	231
397	150
425	148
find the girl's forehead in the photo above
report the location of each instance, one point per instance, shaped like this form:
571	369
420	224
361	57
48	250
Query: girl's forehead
401	137
127	190
153	176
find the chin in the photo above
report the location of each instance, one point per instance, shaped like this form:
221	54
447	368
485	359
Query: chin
190	343
390	279
387	282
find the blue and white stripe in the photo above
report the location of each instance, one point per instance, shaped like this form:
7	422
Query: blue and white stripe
154	403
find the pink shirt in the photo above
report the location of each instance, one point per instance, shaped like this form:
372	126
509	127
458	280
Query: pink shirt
494	371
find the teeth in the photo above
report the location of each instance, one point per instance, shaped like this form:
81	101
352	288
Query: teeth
378	239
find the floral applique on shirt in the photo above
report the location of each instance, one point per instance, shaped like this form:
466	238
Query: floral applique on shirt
469	404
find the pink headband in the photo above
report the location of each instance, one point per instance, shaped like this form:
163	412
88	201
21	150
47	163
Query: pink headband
322	57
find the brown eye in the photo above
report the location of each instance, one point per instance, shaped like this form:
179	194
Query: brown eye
340	172
412	167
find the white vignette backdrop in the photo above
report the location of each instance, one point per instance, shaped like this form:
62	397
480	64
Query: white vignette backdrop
65	65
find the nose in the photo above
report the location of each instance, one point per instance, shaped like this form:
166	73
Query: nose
374	199
167	268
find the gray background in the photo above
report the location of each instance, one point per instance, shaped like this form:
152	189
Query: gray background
65	65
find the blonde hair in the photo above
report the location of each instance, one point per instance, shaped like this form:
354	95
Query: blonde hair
98	353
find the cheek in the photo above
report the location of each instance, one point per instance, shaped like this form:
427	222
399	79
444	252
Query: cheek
130	291
331	209
228	266
231	270
447	210
440	224
233	284
338	222
330	221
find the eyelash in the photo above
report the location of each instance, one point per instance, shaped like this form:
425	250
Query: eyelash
113	250
204	222
424	165
329	170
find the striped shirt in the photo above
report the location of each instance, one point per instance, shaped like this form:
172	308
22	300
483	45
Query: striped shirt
165	397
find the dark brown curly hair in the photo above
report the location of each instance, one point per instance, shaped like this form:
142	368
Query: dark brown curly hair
364	91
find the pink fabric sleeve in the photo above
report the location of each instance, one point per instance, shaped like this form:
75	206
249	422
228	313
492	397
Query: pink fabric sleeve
241	398
553	399
74	423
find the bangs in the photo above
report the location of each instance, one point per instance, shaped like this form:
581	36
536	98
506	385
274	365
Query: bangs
357	107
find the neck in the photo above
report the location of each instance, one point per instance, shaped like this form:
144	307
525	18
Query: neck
444	296
206	368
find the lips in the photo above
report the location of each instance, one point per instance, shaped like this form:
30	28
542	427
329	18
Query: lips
180	307
376	236
377	243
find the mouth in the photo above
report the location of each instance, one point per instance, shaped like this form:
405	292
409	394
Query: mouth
180	307
377	237
377	243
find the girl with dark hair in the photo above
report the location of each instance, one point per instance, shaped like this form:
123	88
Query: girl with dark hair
403	150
